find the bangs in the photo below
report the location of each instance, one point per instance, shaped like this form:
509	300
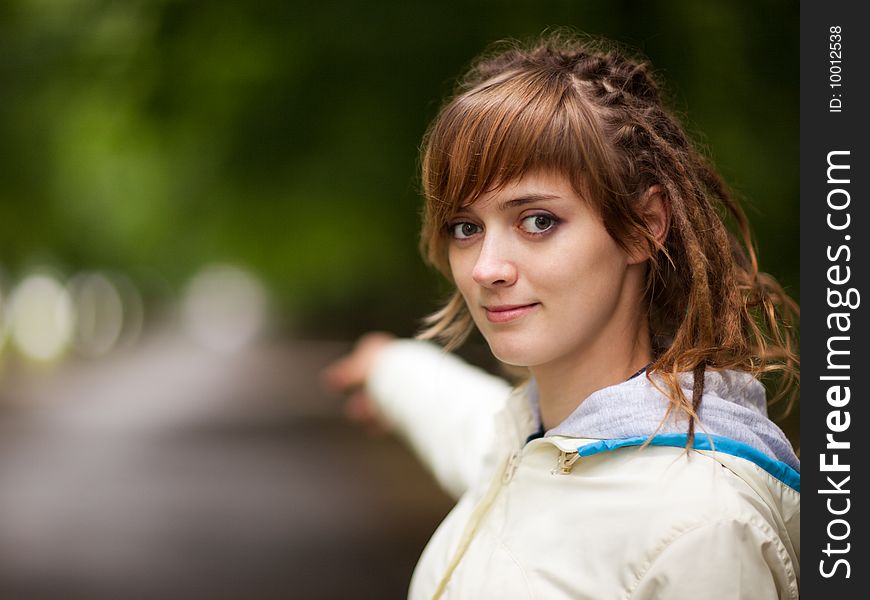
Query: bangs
502	130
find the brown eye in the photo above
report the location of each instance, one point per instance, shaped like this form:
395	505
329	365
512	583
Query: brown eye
538	223
464	230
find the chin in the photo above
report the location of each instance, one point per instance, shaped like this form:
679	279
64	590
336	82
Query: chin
513	350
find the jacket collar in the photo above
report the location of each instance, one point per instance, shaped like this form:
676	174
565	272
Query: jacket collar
734	407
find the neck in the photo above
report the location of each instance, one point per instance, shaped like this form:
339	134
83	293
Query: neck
563	385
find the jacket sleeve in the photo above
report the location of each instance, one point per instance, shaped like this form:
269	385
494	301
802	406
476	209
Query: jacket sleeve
443	407
723	560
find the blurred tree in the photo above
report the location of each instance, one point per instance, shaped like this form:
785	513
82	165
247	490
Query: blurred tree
156	136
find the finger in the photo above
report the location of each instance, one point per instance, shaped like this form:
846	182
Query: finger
342	375
352	370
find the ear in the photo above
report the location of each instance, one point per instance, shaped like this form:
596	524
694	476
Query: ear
655	211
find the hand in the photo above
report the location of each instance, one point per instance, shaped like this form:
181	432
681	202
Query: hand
348	375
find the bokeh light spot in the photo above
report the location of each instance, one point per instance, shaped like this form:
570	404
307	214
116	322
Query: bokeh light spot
224	308
41	318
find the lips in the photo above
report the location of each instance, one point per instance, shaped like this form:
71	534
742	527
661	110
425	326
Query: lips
509	312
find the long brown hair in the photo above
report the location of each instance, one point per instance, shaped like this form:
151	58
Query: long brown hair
595	115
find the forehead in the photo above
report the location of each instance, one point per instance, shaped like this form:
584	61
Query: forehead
538	186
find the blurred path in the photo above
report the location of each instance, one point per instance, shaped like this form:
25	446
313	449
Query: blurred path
172	473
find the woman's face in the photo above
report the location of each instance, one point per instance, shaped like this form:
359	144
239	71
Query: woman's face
544	281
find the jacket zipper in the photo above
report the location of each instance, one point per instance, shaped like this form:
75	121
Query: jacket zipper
566	461
564	465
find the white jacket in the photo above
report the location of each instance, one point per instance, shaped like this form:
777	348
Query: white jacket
593	516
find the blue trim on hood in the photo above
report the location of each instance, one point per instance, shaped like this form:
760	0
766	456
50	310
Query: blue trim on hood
777	469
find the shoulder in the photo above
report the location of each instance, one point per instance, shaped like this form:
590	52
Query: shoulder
701	526
727	557
644	523
677	490
668	478
666	512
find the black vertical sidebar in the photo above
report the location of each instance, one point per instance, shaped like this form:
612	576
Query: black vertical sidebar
835	372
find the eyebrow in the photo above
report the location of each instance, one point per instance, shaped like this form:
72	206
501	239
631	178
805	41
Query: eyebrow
519	201
526	199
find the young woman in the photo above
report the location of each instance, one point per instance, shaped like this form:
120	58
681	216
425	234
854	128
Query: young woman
587	241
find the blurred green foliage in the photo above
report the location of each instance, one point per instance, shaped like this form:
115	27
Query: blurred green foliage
156	136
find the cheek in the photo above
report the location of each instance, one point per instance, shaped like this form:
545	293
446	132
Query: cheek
595	272
460	270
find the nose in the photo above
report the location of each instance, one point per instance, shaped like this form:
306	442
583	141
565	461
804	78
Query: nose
493	267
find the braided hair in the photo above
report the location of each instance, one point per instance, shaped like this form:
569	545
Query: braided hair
596	115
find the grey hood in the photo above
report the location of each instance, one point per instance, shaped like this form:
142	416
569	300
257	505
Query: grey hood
734	406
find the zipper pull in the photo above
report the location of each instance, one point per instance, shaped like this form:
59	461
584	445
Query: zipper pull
513	461
566	461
